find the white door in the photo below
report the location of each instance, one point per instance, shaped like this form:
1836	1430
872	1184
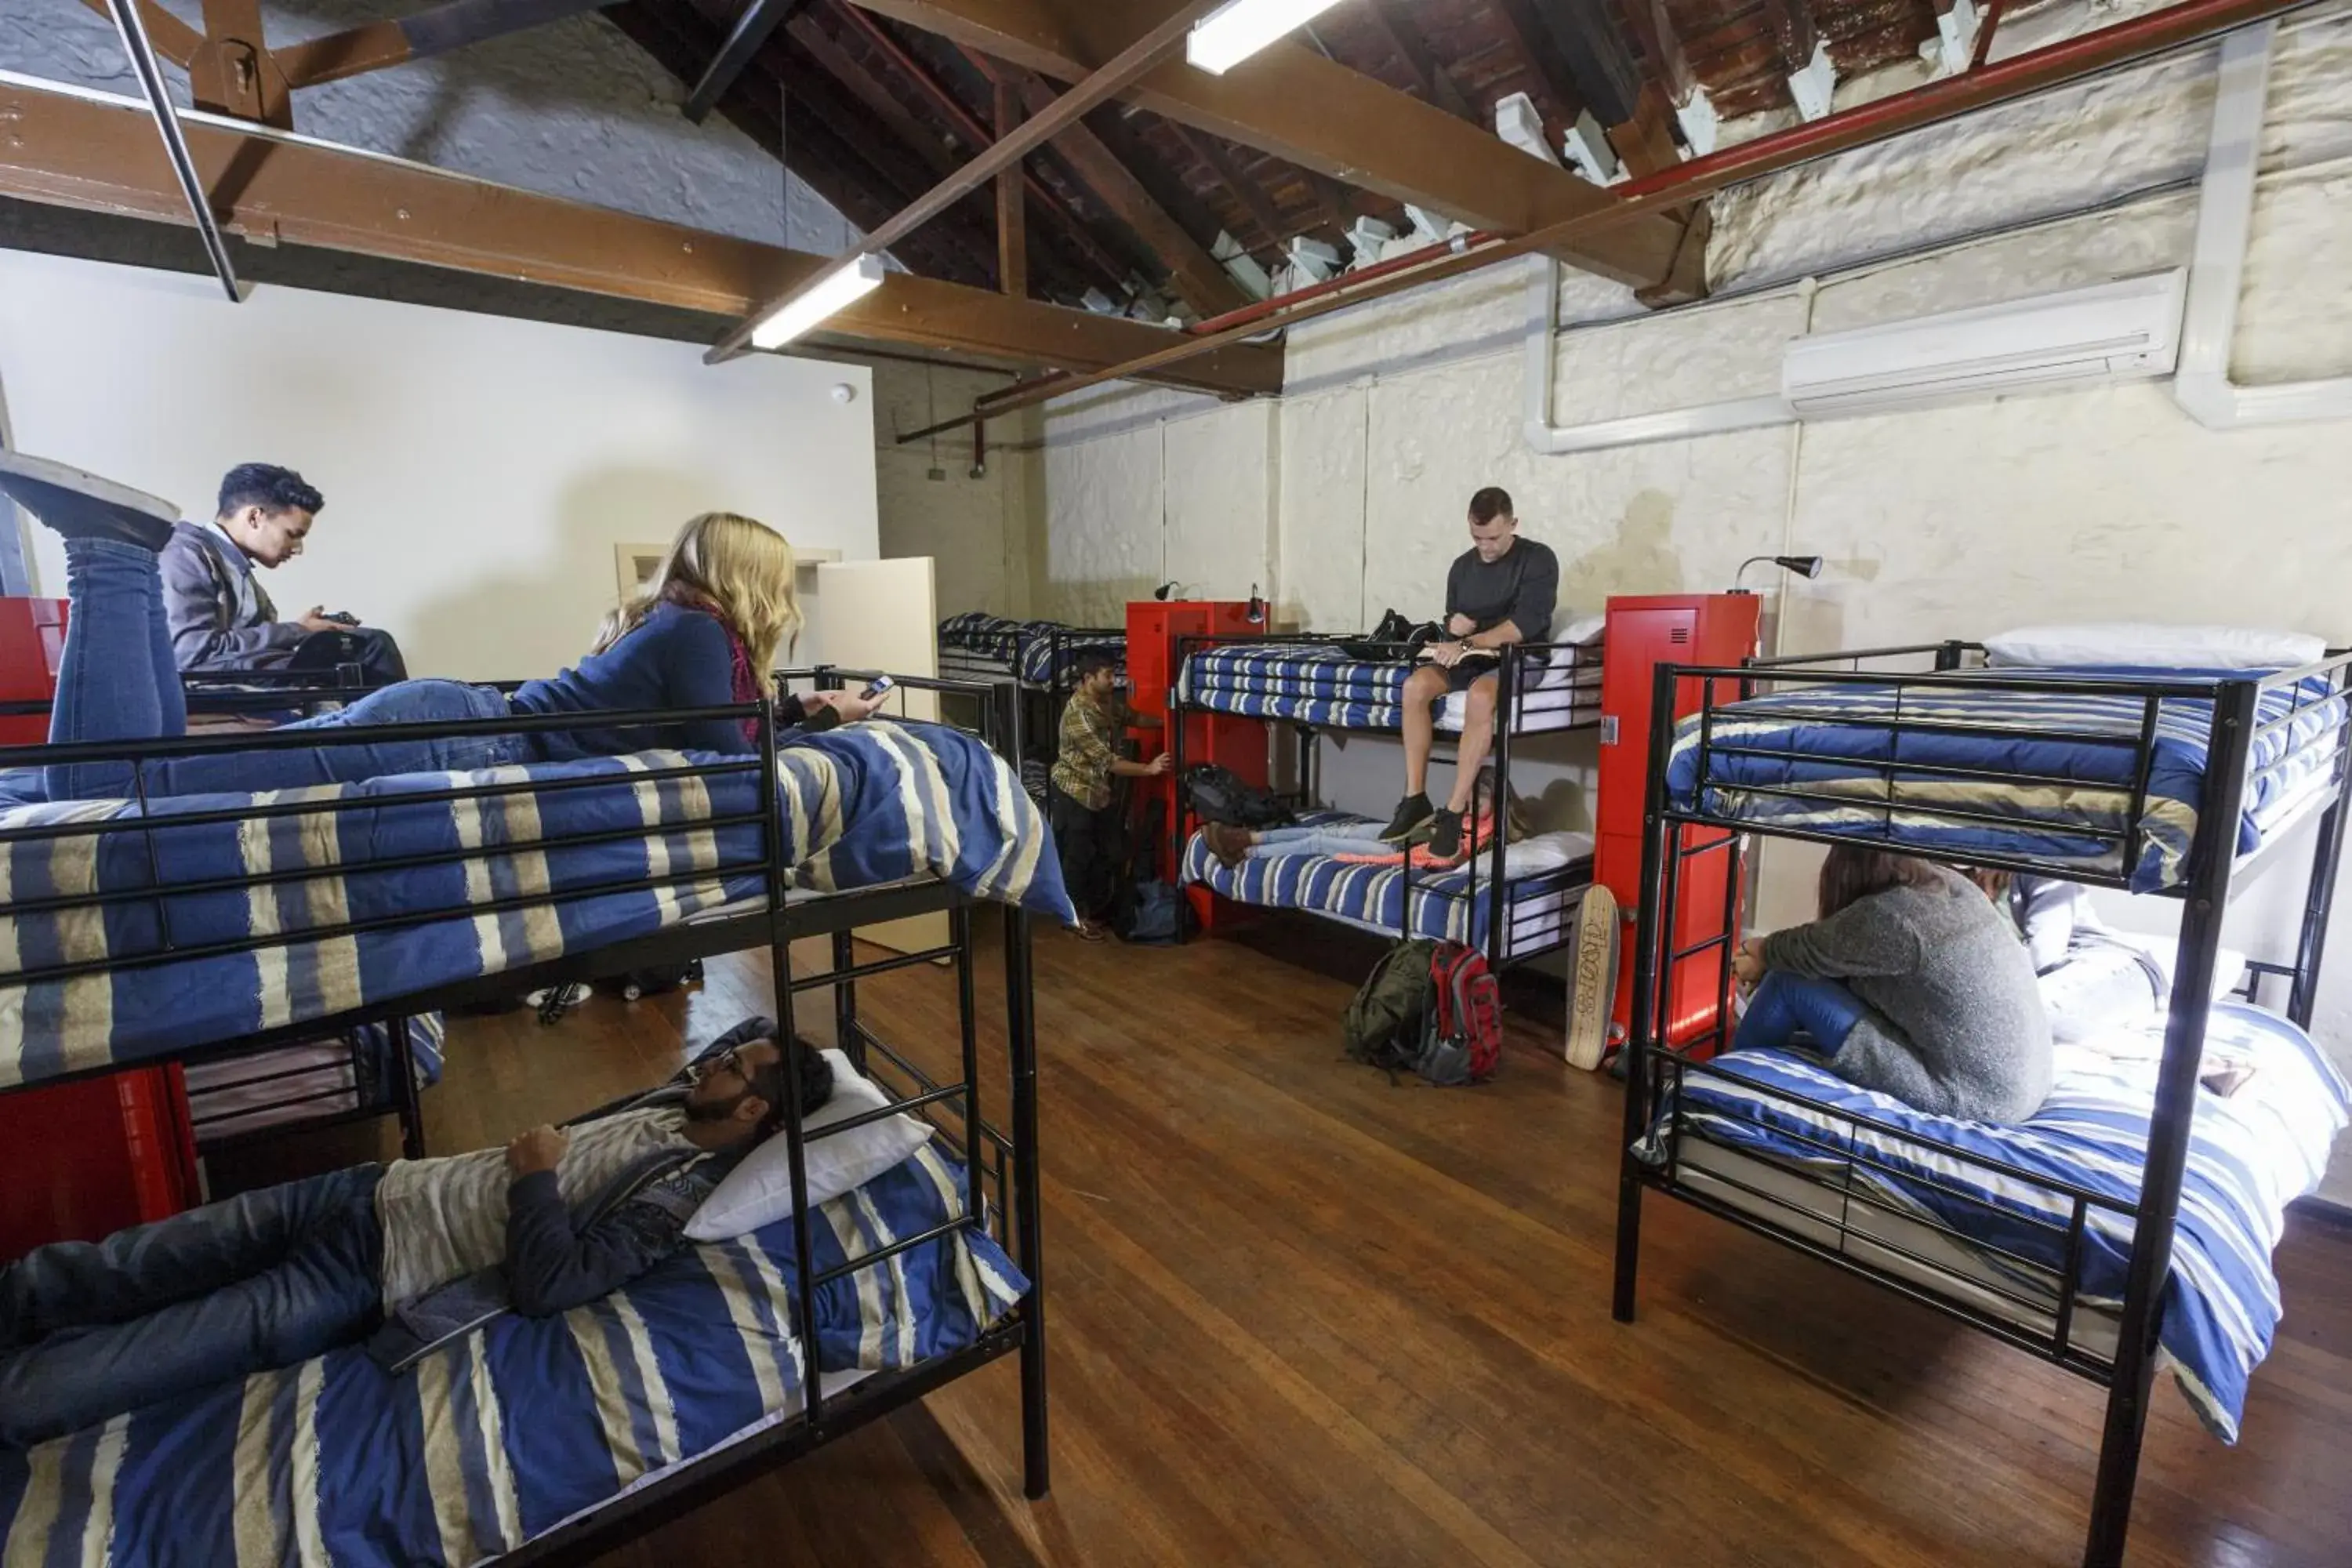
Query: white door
883	614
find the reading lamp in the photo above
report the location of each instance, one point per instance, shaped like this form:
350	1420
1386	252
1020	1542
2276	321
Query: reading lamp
1802	565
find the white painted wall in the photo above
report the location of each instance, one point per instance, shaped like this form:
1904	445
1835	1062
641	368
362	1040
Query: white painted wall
573	109
2098	504
976	529
478	470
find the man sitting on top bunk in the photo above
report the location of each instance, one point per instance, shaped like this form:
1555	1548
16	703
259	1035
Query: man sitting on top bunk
411	1254
1500	590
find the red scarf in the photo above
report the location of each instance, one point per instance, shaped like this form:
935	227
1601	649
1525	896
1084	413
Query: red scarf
744	684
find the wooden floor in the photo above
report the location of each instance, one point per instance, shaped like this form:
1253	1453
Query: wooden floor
1300	1316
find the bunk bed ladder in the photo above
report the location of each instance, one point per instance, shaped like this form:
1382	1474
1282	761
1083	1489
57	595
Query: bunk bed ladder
1639	1081
2212	857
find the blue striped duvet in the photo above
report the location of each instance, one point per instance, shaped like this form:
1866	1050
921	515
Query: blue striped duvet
1027	648
1887	788
2251	1154
1373	896
865	804
519	1427
1317	683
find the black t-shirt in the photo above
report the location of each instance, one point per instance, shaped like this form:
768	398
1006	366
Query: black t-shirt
1522	586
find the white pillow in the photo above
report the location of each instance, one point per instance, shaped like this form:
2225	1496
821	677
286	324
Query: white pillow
1579	631
2131	644
759	1191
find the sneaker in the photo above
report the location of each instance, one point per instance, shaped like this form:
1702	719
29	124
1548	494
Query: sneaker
1230	845
79	505
1592	978
1411	813
1445	836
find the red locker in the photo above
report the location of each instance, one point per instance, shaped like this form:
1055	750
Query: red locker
79	1161
1643	633
32	642
1152	627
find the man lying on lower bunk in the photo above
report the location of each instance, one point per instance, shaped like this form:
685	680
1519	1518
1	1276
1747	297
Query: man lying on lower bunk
1911	982
402	1256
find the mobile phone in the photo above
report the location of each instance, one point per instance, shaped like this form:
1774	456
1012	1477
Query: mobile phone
881	688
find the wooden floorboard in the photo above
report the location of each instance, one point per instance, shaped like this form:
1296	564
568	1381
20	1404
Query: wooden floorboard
1300	1315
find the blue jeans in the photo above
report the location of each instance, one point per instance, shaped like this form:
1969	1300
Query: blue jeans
1786	1006
91	1329
1354	838
116	683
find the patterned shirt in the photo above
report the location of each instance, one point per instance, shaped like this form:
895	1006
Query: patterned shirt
1091	734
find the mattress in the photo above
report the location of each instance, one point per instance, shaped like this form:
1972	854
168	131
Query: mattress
2251	1154
1030	650
521	1426
1317	683
1546	879
2081	753
867	804
301	1083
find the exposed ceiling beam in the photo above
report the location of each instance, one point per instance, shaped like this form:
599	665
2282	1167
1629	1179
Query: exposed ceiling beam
1239	183
1196	280
1661	44
1794	33
373	46
1530	42
753	28
232	71
1404	40
1110	269
1292	102
1599	63
1011	218
98	153
173	39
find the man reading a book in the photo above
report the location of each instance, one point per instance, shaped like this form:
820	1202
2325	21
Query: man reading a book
1500	590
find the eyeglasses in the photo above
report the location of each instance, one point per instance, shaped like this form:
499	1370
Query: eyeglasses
727	1060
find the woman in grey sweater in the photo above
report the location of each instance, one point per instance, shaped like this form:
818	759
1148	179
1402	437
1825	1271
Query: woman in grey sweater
1912	982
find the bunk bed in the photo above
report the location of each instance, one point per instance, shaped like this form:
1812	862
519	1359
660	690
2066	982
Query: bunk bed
2129	1222
979	646
728	1359
1512	901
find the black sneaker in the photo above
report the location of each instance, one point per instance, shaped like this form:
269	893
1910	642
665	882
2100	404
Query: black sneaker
84	506
1445	836
1411	813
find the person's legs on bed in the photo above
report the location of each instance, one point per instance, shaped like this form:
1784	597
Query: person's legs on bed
1477	739
307	1291
79	1284
116	681
1235	845
1786	1006
1418	720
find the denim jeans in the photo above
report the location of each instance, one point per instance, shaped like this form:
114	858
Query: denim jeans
1354	838
91	1329
116	683
1786	1006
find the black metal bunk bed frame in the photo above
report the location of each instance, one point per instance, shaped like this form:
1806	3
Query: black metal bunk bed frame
1014	1219
1510	673
1673	835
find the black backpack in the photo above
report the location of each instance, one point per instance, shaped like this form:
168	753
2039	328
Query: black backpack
1219	794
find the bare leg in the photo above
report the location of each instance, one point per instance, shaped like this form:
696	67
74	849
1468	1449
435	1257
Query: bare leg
1422	688
1477	739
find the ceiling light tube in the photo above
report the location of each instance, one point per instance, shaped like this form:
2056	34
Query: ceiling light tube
1233	32
828	297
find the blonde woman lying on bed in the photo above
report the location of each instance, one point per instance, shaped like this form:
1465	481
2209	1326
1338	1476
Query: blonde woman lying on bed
1911	982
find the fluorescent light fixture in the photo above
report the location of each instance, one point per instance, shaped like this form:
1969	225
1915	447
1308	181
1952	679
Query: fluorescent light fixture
1233	32
831	294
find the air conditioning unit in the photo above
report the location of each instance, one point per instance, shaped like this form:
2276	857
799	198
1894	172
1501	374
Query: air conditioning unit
2111	331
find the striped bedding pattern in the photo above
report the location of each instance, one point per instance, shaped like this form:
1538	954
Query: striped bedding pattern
864	804
2250	1155
519	1427
301	1083
1372	898
1027	649
1319	684
1885	785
